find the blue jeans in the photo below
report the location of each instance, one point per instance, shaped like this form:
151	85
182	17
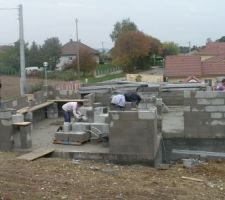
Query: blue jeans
67	116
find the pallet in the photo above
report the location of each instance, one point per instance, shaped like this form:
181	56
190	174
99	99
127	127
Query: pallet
37	153
69	143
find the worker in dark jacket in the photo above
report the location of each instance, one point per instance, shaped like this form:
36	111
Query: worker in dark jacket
132	97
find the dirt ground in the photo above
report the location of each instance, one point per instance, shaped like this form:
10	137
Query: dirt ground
11	85
54	178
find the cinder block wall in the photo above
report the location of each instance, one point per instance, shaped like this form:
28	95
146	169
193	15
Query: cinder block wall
134	133
205	117
172	98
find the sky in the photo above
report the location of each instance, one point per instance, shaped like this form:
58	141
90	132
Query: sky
180	21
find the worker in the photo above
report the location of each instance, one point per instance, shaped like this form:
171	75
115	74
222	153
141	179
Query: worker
132	97
221	86
120	100
72	107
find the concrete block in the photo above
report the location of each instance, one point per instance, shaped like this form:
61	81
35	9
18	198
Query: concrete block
187	94
61	136
17	118
25	134
80	127
216	115
28	117
78	136
217	101
209	94
103	118
52	111
149	114
67	127
5	114
215	108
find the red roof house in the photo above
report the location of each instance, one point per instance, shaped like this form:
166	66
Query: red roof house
182	66
213	49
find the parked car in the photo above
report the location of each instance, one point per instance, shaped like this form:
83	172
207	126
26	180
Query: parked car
32	70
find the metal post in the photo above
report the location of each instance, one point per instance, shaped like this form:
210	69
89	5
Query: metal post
78	51
22	53
45	64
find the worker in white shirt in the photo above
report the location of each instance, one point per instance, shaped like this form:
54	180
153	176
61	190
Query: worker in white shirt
72	107
118	100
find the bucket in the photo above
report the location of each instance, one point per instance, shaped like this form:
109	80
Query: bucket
67	127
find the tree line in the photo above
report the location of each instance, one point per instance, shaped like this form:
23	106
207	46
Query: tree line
35	54
133	50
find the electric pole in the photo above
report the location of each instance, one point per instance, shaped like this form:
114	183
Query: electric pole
22	53
78	51
189	46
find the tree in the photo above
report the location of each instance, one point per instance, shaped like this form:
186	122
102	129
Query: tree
130	47
87	62
34	56
222	39
51	51
169	48
10	56
120	27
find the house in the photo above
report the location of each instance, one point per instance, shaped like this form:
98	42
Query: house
69	53
208	65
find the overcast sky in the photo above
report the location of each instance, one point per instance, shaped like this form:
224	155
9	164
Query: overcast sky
168	20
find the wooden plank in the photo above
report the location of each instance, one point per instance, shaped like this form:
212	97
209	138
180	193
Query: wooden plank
37	153
192	179
23	110
22	123
42	105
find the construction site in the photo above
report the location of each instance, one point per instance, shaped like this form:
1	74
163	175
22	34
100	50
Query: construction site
176	133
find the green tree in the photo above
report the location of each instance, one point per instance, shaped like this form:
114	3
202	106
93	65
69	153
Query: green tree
119	27
169	48
10	56
51	51
222	39
34	57
131	47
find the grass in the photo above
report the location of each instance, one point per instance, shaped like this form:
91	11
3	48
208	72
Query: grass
104	78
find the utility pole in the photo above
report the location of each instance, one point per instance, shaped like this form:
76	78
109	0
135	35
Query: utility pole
78	51
22	53
189	46
103	53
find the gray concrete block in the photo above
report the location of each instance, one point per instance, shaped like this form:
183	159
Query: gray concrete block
209	94
102	118
215	108
4	114
67	127
80	126
187	94
17	118
25	134
148	114
216	115
52	111
78	136
61	136
210	101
